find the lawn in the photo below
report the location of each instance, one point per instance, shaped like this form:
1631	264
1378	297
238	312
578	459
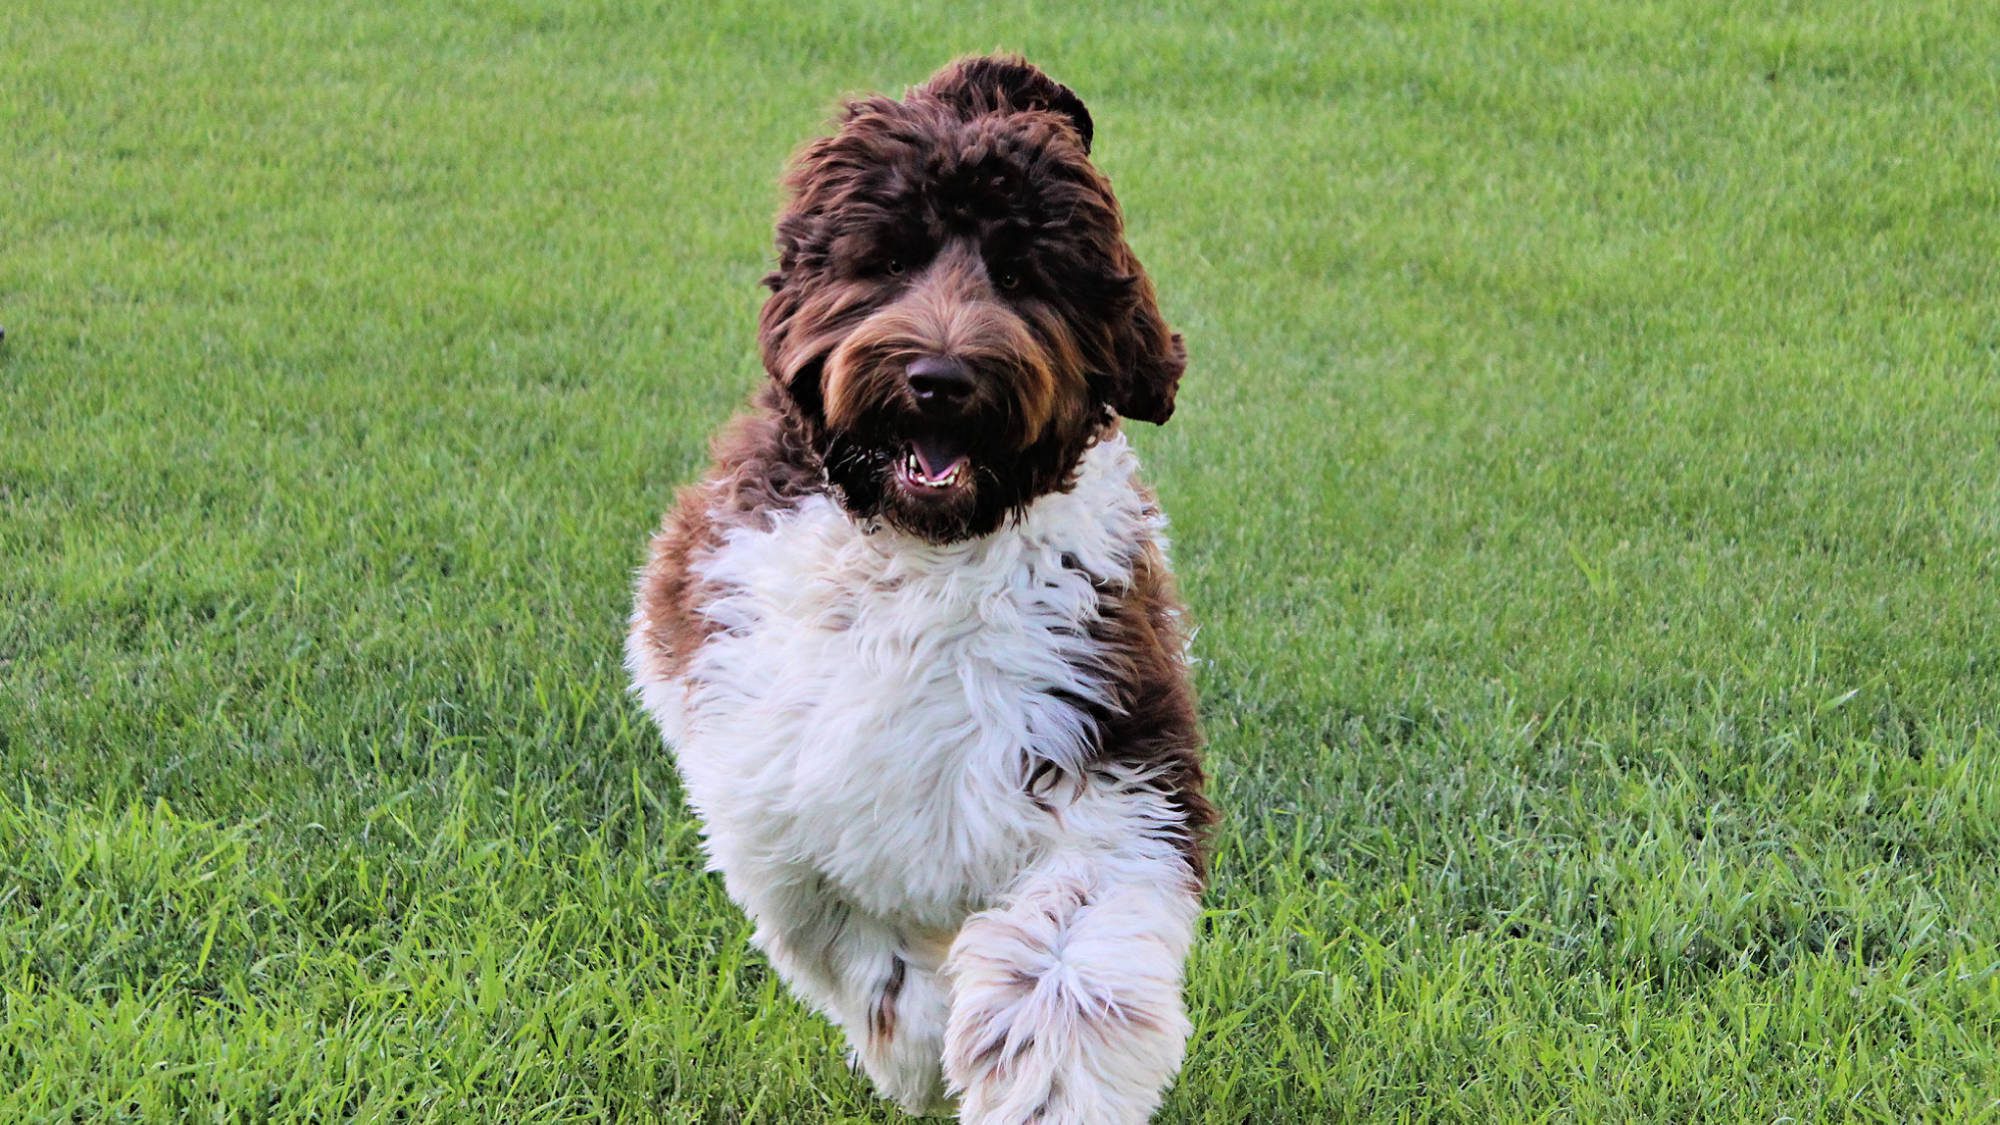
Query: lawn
1587	480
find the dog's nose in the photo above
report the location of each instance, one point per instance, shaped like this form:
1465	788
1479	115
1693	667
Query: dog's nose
940	382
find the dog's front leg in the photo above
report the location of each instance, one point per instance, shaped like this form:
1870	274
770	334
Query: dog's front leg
1066	999
881	988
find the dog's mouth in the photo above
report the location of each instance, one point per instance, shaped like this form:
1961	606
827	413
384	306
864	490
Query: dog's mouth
934	463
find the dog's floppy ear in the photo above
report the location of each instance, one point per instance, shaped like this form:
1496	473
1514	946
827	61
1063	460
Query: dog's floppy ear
983	84
1147	357
790	337
791	355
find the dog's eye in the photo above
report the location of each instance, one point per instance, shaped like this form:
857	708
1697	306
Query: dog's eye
894	267
1008	279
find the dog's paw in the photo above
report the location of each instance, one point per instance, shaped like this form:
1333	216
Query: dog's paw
1063	1011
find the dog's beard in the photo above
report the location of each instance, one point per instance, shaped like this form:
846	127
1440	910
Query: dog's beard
946	493
899	470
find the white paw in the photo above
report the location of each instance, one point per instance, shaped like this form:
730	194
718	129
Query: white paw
1065	1010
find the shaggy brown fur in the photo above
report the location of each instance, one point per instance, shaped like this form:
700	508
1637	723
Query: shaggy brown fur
965	221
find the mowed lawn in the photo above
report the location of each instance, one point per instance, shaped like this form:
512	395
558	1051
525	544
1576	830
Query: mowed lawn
1587	482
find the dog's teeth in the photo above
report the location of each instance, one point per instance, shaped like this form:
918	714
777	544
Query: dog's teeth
914	469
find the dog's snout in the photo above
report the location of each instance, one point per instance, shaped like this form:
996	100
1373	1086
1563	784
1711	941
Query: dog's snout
939	382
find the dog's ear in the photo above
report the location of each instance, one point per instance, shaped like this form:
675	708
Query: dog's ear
984	84
784	344
787	333
1147	357
777	322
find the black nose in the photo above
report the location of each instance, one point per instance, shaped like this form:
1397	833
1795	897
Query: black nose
939	381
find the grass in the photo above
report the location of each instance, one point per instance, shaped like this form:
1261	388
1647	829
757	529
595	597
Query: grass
1587	480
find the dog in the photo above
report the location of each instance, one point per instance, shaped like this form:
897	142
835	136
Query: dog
913	641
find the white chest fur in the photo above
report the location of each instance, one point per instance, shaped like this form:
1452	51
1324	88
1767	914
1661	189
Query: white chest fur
870	706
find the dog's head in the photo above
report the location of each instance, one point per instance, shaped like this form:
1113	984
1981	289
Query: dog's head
955	314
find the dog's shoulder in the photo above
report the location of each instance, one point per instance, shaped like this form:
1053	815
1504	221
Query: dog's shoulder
761	465
1148	732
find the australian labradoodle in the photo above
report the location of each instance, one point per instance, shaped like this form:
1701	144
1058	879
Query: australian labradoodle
913	640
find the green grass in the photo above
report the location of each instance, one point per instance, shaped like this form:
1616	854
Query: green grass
1588	480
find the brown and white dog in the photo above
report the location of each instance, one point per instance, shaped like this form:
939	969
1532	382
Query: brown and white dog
913	640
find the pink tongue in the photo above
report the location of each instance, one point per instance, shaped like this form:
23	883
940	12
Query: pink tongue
935	457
